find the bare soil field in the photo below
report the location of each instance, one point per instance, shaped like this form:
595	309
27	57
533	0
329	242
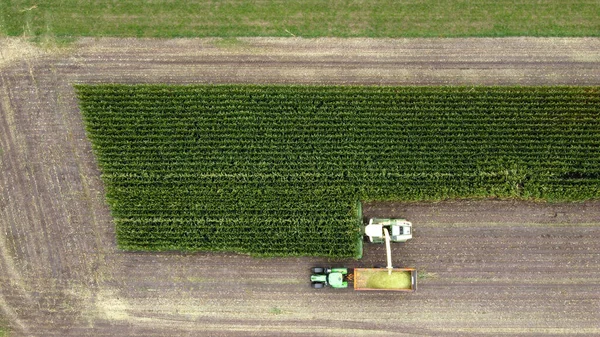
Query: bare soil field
488	267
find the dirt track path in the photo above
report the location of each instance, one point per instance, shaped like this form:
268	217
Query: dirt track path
486	61
491	267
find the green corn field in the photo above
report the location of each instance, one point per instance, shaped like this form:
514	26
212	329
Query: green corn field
277	170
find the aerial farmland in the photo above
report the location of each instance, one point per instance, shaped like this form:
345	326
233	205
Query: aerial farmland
183	180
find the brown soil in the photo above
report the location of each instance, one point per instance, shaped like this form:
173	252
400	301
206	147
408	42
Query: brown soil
488	267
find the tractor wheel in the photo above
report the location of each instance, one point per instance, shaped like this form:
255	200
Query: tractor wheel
318	270
318	285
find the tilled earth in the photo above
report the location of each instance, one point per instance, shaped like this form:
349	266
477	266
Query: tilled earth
488	267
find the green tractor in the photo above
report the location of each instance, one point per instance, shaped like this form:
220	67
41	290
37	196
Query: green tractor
333	277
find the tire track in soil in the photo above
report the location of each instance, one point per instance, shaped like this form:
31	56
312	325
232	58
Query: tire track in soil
490	266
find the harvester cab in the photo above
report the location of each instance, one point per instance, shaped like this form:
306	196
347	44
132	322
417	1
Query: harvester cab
400	230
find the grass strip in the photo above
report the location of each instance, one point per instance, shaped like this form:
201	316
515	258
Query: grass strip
304	18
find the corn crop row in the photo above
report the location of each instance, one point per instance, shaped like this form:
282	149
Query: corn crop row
277	170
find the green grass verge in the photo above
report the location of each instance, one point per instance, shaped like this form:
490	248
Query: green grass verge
277	170
306	18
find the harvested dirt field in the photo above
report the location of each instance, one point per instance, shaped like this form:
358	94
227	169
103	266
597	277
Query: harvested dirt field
488	267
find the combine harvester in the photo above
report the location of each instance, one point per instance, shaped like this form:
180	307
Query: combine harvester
400	229
387	279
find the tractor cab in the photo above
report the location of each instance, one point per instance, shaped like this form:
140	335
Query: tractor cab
400	230
333	277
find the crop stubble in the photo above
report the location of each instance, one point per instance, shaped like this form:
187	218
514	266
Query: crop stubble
501	266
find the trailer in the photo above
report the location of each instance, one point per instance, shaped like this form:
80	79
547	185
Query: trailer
398	279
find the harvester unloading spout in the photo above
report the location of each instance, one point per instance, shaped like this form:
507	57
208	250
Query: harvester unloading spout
388	251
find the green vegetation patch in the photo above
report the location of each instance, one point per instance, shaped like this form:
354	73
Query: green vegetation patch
383	280
277	170
305	18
